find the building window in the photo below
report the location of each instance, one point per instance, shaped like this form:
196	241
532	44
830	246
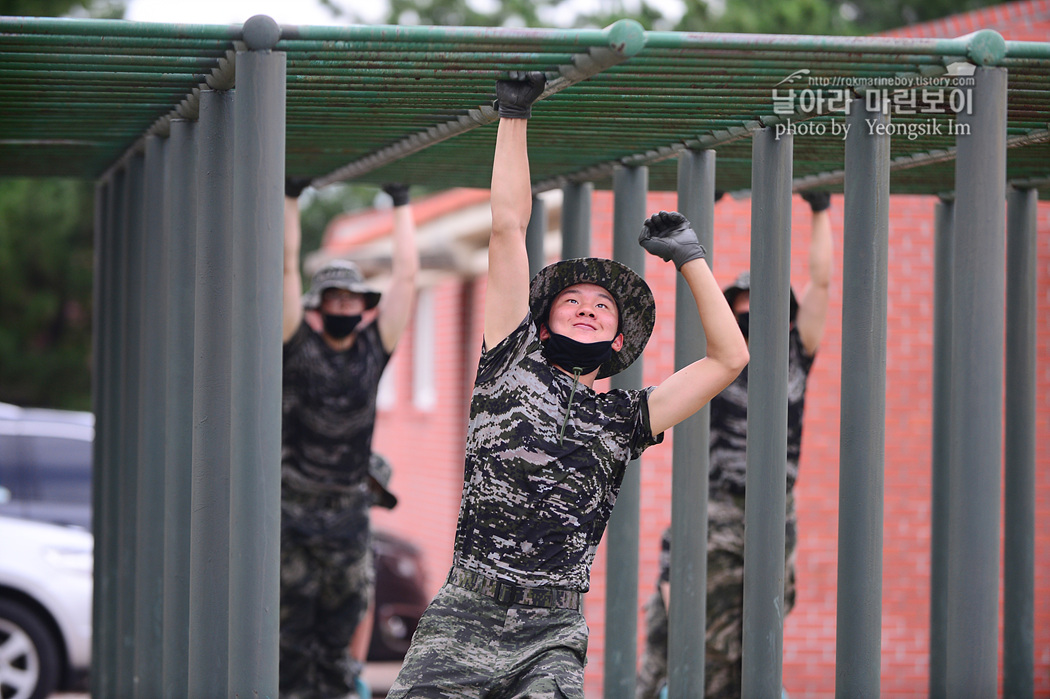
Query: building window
386	392
424	393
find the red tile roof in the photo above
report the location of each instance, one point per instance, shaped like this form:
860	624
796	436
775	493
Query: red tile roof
1028	20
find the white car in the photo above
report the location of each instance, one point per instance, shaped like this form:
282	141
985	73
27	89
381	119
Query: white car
45	550
45	607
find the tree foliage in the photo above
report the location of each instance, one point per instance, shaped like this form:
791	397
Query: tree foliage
46	267
45	293
318	207
102	9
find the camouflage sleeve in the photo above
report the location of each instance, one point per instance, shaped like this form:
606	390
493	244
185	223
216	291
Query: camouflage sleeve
296	340
805	359
496	360
642	437
665	556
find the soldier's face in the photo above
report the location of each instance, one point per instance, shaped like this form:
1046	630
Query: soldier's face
585	313
340	302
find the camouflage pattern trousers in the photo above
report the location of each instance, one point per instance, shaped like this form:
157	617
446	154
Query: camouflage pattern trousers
326	588
725	604
469	646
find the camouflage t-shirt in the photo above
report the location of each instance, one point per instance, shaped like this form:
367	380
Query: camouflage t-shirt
729	423
328	414
534	508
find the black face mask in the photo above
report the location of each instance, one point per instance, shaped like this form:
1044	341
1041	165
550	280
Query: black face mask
743	320
572	355
338	327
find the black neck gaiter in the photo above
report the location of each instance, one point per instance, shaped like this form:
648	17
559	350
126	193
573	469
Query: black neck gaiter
339	327
571	355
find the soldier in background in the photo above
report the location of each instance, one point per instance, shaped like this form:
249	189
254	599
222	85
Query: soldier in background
331	376
725	534
379	474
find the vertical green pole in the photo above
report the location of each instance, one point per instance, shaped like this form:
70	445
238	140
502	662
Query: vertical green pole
255	427
691	453
106	338
178	459
691	456
131	378
535	234
766	480
576	220
149	545
941	448
106	625
862	443
1019	542
210	490
977	388
630	186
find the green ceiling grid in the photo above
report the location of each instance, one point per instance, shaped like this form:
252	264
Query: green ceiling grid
377	103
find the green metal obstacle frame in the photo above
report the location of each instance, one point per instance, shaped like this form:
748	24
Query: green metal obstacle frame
189	131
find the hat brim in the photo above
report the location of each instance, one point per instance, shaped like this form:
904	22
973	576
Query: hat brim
387	500
371	295
633	298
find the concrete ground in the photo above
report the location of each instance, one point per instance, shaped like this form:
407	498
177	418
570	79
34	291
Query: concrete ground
380	676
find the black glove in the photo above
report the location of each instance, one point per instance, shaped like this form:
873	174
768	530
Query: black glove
818	200
398	192
514	97
670	236
719	194
294	186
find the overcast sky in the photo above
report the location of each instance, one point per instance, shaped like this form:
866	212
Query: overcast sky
308	12
237	11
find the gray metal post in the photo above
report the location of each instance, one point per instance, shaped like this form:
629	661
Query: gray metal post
576	220
766	480
630	186
862	442
131	377
149	545
255	476
535	235
210	492
941	447
104	405
100	325
107	550
178	458
1019	542
691	453
977	385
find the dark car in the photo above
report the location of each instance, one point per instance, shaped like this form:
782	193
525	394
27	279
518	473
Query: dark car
45	476
400	596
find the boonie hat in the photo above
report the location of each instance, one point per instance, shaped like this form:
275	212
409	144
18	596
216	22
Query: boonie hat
633	298
380	471
743	283
340	274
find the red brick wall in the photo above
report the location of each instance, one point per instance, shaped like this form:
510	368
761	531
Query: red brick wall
426	447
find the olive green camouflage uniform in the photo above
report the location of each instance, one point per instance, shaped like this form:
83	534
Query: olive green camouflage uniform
534	508
326	588
725	604
725	539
